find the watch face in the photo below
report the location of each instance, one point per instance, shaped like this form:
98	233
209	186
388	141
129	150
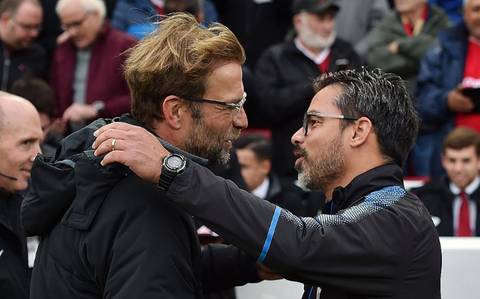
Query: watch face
174	162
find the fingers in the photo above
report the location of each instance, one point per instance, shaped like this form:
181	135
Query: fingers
120	126
114	156
109	145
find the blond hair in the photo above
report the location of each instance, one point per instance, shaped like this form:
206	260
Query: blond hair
177	59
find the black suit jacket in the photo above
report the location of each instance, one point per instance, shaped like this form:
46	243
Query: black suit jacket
438	198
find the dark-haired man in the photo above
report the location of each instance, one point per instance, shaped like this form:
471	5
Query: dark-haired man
283	74
453	199
20	24
374	239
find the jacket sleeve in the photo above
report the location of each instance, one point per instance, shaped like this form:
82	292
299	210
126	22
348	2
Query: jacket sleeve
299	249
377	10
120	102
225	267
430	93
280	98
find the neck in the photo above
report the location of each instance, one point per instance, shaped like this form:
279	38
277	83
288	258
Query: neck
414	14
354	169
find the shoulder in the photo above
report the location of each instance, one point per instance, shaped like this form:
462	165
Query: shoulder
436	189
120	39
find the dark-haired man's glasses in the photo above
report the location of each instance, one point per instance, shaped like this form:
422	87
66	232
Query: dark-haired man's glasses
308	116
27	27
238	106
76	24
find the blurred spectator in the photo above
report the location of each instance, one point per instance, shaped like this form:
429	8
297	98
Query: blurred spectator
20	24
455	213
444	72
39	93
20	136
284	73
136	17
257	24
254	153
50	28
356	19
86	71
398	43
453	8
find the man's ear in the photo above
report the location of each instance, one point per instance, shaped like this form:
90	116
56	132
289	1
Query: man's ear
173	110
362	129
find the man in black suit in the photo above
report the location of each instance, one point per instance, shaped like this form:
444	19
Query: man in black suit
453	213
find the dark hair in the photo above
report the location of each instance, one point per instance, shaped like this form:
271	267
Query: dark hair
462	137
37	91
382	98
177	58
11	6
193	7
258	143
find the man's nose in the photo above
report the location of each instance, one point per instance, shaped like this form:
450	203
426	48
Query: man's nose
298	137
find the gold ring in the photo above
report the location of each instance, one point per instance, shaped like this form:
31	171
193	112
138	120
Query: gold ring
113	144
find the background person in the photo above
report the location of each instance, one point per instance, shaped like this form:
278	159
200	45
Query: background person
20	24
20	135
254	152
86	70
454	198
283	74
445	71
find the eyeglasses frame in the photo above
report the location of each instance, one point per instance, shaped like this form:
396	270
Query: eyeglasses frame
237	106
38	28
307	116
76	24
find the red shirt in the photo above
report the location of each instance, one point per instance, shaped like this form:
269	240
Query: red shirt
471	79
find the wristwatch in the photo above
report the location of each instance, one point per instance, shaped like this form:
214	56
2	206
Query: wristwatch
172	165
98	106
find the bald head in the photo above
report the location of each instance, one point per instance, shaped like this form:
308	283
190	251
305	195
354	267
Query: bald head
12	105
20	136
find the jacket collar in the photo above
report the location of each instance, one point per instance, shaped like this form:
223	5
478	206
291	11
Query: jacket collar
127	118
362	185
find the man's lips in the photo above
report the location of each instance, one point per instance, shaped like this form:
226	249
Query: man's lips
299	152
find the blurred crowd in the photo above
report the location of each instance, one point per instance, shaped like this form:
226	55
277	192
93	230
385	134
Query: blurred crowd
66	57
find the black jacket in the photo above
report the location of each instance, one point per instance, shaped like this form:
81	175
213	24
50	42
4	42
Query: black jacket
379	241
283	193
14	270
32	61
438	198
283	88
117	239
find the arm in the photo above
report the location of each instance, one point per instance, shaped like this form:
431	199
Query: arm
415	47
300	249
225	267
378	54
118	100
436	100
378	9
